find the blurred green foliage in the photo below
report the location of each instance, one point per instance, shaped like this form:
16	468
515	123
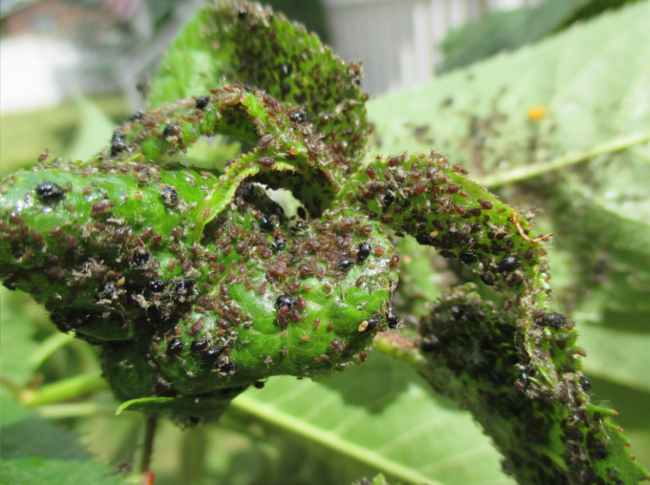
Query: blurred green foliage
511	29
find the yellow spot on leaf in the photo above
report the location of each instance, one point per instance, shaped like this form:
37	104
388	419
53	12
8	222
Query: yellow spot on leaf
536	113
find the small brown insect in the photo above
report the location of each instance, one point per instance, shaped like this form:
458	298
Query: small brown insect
267	162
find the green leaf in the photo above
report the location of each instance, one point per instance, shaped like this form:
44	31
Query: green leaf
233	42
590	85
377	480
382	416
148	282
613	322
25	435
93	131
17	319
37	452
613	353
601	207
420	281
11	411
633	406
479	116
507	30
25	135
511	29
37	471
475	358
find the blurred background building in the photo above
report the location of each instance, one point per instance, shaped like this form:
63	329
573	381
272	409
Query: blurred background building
52	50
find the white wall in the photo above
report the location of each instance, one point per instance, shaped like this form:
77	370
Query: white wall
33	72
398	39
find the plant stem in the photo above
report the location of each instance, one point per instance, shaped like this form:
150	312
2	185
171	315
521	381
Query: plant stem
48	346
399	348
146	447
63	390
407	351
570	158
193	454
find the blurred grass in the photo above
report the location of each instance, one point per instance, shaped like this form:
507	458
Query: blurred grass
24	135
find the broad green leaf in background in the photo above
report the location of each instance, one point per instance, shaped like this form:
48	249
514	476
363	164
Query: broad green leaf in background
17	345
93	131
583	91
382	416
511	29
35	452
24	136
613	329
378	480
590	85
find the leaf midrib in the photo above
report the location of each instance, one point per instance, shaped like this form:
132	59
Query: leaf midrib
280	419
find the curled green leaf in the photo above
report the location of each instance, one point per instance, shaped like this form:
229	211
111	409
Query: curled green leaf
108	252
264	50
547	433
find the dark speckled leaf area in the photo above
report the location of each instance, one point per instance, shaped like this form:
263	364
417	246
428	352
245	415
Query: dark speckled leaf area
196	284
112	260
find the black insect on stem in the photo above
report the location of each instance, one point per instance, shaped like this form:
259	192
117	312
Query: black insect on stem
509	264
553	320
523	380
202	102
467	257
169	195
198	345
212	354
299	116
266	223
285	303
118	143
140	257
175	346
278	244
392	319
184	287
298	227
488	279
172	129
285	69
388	198
425	239
157	286
49	190
344	264
363	252
368	325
